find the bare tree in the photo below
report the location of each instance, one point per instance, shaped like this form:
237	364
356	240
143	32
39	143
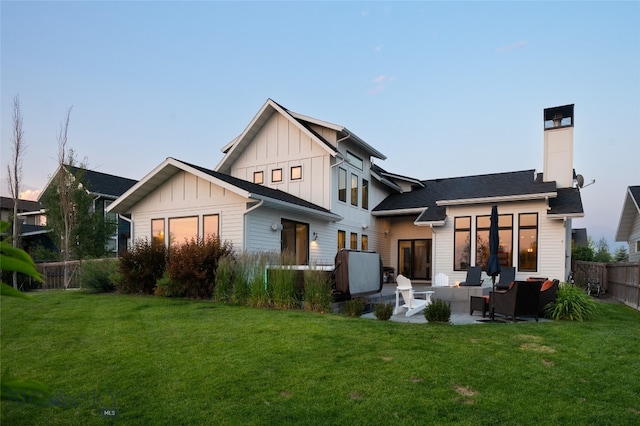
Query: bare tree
65	187
15	173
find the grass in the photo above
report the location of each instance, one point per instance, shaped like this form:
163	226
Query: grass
166	361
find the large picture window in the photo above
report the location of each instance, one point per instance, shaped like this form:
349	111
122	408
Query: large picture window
505	245
295	241
528	242
211	225
342	184
182	229
157	230
462	243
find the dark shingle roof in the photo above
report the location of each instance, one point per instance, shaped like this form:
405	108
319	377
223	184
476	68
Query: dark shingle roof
567	202
23	205
103	183
635	193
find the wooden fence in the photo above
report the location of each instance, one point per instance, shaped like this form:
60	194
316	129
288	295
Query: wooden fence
620	280
54	274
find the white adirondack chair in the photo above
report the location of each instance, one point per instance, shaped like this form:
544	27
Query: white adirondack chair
442	280
412	305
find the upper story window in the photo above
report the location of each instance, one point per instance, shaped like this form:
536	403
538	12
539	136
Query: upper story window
296	172
276	175
258	177
355	161
365	194
342	184
354	189
353	241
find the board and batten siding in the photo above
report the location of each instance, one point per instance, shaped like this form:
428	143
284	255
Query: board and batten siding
186	195
281	145
551	240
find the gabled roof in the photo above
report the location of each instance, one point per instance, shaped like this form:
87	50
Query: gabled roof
268	196
235	148
390	179
97	183
630	213
436	194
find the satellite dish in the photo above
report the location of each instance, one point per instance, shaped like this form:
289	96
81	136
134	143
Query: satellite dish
580	180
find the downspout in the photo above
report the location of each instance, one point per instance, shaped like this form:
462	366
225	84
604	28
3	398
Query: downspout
126	219
244	234
337	142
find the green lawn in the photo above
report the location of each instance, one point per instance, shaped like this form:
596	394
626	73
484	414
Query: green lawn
166	362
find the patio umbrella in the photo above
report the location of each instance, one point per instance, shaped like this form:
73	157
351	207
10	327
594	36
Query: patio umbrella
493	264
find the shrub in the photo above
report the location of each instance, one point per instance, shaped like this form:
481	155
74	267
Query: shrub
224	279
354	307
241	273
141	266
572	304
165	287
438	311
383	311
282	280
193	265
317	290
96	275
259	289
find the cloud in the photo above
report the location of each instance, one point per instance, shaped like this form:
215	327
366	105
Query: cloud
30	194
514	46
380	83
378	48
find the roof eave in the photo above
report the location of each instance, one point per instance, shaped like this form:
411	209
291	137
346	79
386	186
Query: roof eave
398	212
500	199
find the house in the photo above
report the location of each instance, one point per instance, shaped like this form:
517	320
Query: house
629	225
31	216
105	188
294	183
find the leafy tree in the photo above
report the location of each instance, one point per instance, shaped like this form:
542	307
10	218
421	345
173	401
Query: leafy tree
602	252
621	254
580	252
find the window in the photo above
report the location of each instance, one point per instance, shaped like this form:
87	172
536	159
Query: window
354	190
109	217
505	232
157	230
353	243
365	194
295	241
211	225
342	237
462	243
342	184
182	229
414	258
258	177
638	246
296	172
365	243
528	242
276	175
354	160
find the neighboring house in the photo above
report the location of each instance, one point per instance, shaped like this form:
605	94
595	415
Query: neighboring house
629	225
32	221
105	189
579	237
297	184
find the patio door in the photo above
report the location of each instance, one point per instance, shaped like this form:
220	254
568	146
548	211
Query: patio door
414	259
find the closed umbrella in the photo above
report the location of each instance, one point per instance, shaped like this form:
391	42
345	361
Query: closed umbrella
493	264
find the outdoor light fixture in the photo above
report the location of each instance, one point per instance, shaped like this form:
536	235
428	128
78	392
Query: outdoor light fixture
315	236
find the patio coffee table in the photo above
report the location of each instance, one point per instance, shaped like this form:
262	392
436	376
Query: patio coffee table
479	303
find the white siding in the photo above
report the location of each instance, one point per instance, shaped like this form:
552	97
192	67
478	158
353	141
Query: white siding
634	254
282	145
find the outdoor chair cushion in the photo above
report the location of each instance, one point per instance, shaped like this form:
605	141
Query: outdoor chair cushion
474	277
546	285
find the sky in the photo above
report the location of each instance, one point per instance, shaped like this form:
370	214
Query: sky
443	89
